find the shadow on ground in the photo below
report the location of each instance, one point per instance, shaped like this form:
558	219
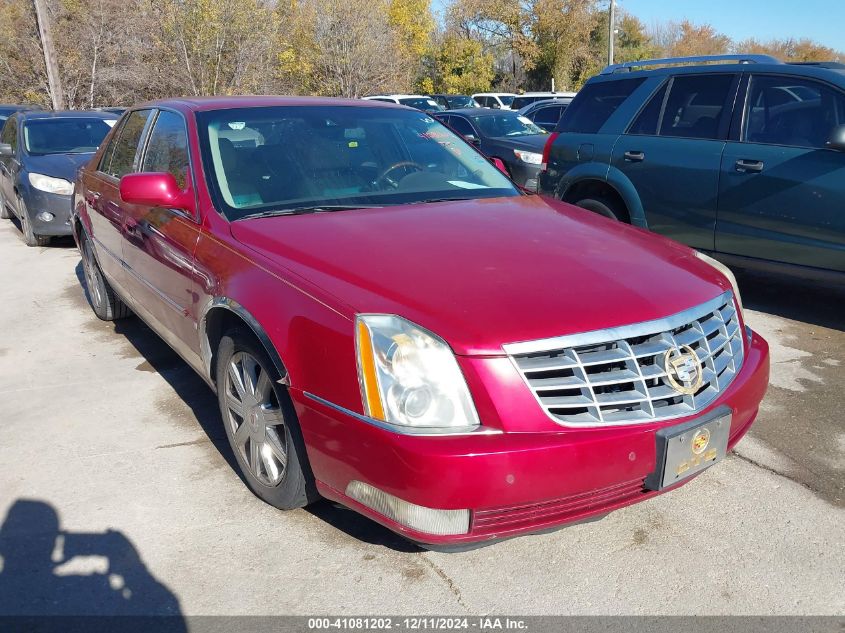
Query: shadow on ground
797	300
48	571
194	392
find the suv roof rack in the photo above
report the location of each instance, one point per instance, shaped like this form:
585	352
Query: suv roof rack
678	61
832	65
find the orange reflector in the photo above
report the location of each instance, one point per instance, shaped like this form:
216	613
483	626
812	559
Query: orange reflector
372	399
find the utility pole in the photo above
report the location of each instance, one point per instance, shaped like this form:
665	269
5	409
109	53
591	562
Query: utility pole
611	35
54	81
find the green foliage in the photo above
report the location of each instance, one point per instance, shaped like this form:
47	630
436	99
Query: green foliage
460	66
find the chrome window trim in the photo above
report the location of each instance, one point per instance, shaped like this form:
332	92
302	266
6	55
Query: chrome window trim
623	331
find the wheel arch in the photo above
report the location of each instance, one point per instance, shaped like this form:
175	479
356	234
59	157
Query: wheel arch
221	315
609	180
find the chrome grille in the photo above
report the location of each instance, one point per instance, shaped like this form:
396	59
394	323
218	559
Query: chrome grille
617	376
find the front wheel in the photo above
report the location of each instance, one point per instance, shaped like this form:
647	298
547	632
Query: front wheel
29	236
261	424
104	302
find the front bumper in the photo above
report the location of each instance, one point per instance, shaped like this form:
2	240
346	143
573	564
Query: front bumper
513	483
57	205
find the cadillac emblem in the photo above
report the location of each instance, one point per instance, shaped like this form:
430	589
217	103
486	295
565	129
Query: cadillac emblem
700	441
683	370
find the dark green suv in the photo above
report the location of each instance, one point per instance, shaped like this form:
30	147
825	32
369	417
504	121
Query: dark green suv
740	156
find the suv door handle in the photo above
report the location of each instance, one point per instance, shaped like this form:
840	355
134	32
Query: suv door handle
749	166
635	157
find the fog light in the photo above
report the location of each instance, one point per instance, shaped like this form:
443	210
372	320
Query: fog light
45	217
428	520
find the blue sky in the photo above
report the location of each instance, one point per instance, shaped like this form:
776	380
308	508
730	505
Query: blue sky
820	20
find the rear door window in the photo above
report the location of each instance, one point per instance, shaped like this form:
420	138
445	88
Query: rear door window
595	104
648	121
126	147
696	105
167	149
782	110
548	116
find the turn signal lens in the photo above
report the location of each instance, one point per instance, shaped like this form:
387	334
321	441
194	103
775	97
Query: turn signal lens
367	372
419	518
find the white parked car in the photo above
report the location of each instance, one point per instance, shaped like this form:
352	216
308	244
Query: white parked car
420	102
497	100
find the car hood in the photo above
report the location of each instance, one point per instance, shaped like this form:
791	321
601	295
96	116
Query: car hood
531	143
58	165
482	273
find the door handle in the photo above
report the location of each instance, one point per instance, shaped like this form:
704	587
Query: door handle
749	166
635	157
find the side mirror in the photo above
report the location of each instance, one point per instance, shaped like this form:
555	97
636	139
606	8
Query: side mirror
6	150
501	166
836	140
156	190
472	139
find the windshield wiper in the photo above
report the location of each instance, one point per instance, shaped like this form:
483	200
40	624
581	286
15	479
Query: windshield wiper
320	208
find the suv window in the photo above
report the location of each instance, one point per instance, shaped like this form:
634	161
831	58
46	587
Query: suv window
791	111
9	134
595	104
695	105
649	119
123	156
167	149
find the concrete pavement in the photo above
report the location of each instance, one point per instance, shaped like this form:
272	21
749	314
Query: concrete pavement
117	488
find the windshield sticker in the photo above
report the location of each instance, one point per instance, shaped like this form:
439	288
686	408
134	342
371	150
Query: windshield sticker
463	184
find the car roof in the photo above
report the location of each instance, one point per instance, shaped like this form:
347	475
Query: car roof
476	112
559	95
721	63
68	114
495	94
202	104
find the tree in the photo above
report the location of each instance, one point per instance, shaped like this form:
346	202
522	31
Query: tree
23	78
460	66
685	39
801	50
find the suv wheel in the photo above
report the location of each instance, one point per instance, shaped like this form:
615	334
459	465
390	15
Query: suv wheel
104	302
602	206
29	236
261	424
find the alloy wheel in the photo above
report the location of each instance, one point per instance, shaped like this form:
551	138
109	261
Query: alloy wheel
92	280
255	419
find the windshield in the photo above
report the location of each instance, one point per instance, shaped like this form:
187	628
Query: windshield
65	136
506	99
270	159
461	102
421	104
506	124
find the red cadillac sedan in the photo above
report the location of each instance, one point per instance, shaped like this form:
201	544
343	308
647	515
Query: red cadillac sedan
390	323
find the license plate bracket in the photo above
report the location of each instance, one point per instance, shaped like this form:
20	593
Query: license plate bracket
687	449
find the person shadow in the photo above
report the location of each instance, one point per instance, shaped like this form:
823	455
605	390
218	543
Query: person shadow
50	577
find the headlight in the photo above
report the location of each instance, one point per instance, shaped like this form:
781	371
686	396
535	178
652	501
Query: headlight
727	273
532	158
50	184
409	377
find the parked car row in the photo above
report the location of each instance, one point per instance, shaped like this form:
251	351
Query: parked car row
390	322
744	157
40	152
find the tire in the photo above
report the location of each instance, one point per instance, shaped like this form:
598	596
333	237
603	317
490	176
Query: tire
261	424
603	207
5	214
29	236
101	297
